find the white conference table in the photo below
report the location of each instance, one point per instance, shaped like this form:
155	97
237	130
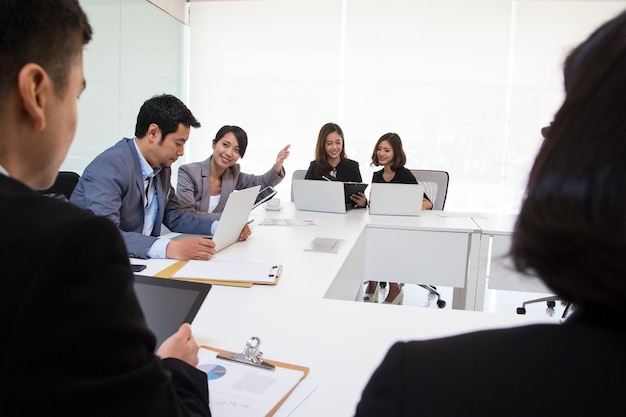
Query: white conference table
311	318
495	270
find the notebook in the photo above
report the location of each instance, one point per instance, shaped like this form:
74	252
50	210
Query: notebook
168	303
314	195
396	199
234	217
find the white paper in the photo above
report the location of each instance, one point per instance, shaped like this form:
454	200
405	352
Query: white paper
304	389
239	390
229	271
289	222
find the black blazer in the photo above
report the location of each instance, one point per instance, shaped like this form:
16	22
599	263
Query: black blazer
347	171
73	340
574	369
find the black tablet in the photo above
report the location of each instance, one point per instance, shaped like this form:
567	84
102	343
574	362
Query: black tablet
168	303
350	188
265	194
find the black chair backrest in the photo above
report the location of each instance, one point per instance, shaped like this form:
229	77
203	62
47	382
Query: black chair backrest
63	185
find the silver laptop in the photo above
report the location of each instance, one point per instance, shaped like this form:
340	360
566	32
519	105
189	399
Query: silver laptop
234	217
396	199
314	195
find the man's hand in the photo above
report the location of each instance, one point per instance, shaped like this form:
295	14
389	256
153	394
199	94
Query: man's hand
191	248
181	345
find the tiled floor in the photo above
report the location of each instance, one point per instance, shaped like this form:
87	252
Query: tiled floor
495	301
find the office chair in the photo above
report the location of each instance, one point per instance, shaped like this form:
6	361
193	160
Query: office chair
63	185
298	174
436	188
550	302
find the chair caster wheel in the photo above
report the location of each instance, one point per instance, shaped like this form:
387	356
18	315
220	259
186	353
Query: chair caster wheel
521	310
551	304
441	303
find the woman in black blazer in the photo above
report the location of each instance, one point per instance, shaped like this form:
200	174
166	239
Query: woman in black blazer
331	162
571	231
389	153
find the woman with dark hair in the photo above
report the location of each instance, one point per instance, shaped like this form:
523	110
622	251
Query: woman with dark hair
331	162
571	232
203	187
389	154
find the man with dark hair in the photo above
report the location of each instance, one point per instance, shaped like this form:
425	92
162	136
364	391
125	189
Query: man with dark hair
73	339
129	183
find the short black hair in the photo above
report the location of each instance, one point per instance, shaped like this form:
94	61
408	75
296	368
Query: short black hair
167	112
46	32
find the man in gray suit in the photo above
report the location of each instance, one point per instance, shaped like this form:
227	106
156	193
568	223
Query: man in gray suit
130	184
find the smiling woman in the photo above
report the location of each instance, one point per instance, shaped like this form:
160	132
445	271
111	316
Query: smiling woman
203	187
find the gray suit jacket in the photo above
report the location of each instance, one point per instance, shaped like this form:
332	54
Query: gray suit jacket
112	186
194	190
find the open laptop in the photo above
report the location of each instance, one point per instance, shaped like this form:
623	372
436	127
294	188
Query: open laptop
234	217
396	199
168	303
314	195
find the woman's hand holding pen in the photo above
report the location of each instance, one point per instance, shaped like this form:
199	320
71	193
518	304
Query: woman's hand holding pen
280	159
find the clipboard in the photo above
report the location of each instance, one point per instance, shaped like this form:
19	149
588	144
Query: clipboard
236	274
252	357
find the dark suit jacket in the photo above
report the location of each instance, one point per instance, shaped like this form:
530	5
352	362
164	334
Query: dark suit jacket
574	369
112	186
347	171
193	189
73	340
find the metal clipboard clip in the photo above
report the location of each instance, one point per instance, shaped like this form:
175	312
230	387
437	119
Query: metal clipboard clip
250	355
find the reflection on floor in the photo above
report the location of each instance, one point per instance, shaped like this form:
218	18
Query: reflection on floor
495	300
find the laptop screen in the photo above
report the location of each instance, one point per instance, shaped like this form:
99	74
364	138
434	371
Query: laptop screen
393	199
323	196
168	303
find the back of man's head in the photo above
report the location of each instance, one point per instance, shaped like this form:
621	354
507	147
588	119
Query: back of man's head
45	32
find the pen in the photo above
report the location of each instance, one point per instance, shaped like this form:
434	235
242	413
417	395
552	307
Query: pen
327	179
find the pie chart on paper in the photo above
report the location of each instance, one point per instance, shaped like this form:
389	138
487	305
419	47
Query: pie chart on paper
213	371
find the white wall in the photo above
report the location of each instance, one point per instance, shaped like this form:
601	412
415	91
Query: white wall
467	84
176	8
137	51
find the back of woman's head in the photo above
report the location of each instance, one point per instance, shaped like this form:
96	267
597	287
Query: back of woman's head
571	230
